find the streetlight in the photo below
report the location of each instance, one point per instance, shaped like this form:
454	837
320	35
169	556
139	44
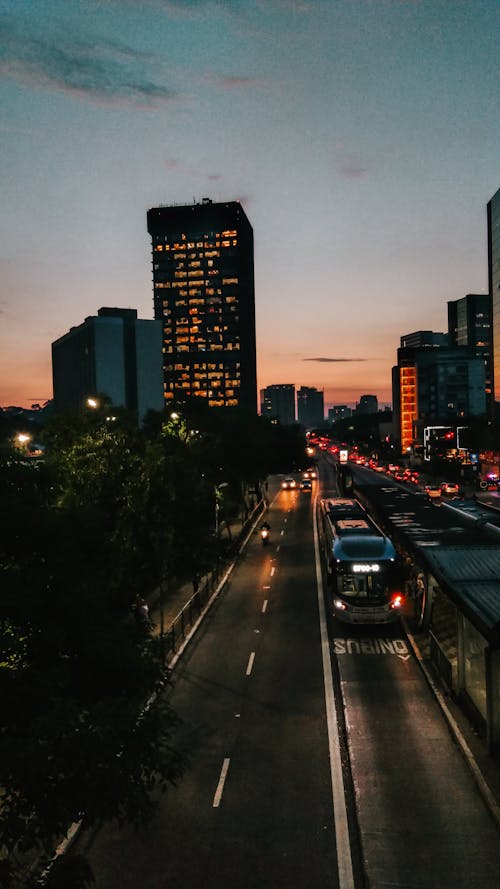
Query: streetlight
92	402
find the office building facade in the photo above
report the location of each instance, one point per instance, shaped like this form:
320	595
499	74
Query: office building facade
469	324
277	403
113	353
441	385
339	412
420	338
493	222
310	406
204	296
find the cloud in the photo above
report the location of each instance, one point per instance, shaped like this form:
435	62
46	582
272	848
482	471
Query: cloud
334	360
189	6
227	82
102	70
177	166
352	170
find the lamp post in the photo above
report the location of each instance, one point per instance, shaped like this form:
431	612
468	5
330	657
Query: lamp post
22	440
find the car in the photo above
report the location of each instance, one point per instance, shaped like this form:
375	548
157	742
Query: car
288	484
450	488
310	473
393	467
306	485
433	492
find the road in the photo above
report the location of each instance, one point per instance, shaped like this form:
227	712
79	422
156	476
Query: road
256	810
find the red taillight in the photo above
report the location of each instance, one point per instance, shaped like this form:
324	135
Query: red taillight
397	600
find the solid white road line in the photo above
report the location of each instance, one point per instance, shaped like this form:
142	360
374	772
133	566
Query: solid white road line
250	663
220	785
344	857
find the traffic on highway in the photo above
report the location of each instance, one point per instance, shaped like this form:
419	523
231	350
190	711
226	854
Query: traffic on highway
319	756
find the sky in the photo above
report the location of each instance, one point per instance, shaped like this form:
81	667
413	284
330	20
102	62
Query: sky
361	136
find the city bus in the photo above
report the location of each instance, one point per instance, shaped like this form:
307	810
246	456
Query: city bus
363	568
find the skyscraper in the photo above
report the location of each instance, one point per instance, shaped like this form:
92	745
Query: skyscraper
114	354
469	324
310	406
493	219
439	383
204	295
277	402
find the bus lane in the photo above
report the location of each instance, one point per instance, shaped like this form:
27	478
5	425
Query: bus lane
422	822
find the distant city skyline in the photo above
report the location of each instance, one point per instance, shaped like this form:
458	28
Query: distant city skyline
361	139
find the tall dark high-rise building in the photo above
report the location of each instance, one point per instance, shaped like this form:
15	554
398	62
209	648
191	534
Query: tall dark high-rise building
310	406
493	220
469	324
277	403
204	294
113	353
368	404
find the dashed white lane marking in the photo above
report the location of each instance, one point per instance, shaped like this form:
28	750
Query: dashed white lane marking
264	606
220	785
273	569
250	663
278	548
282	532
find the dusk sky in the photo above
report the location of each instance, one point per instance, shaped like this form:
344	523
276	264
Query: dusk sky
361	136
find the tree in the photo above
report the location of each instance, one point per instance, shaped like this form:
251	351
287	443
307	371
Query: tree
74	674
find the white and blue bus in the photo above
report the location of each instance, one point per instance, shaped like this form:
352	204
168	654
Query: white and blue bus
362	565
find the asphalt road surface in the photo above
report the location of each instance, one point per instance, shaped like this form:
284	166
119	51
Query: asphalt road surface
255	809
262	805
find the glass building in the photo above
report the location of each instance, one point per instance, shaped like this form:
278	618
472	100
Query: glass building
469	324
204	294
493	216
440	384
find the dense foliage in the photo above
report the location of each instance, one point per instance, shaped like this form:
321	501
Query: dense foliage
110	511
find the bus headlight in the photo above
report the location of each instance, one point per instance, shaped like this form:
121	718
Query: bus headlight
339	605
